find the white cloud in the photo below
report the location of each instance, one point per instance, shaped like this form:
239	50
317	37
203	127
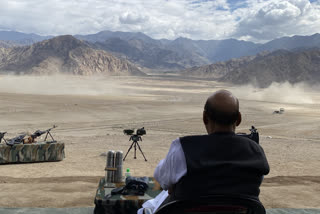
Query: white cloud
256	20
132	18
276	18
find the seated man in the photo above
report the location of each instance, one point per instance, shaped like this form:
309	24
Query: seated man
218	163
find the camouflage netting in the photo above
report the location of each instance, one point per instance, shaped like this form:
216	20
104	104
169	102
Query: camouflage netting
27	153
122	204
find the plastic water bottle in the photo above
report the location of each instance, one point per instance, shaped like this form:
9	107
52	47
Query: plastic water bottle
127	174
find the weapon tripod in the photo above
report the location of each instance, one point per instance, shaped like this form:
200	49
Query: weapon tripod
2	134
135	138
48	133
38	133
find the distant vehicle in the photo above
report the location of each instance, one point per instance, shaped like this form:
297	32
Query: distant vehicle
281	111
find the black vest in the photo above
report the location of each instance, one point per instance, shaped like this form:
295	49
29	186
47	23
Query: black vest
221	163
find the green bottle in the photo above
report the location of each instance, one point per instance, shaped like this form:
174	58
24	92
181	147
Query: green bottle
127	174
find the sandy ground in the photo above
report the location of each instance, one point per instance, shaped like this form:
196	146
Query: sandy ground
91	113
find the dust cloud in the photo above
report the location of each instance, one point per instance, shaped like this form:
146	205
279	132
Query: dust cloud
60	85
117	86
299	93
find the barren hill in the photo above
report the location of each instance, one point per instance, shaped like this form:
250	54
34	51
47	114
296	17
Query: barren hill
20	38
217	70
64	54
8	44
263	69
166	55
279	66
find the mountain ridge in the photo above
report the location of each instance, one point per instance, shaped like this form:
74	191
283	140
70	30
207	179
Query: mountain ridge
298	61
265	68
183	53
22	38
64	54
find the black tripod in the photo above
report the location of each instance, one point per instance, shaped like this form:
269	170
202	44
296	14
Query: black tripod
135	138
48	133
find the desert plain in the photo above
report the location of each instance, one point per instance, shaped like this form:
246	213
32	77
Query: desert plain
91	113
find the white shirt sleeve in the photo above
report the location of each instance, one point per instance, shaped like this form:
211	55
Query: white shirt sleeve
173	167
168	172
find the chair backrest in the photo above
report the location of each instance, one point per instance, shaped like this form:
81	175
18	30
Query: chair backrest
217	204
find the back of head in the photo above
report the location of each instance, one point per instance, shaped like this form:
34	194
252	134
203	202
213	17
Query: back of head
222	108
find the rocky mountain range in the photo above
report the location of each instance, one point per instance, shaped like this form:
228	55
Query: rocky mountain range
263	69
291	43
164	54
292	59
178	54
19	38
183	53
63	54
217	70
8	44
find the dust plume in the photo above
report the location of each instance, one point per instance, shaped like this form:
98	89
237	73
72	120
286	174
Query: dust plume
300	93
60	85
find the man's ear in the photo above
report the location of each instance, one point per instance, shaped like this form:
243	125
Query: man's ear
205	118
239	119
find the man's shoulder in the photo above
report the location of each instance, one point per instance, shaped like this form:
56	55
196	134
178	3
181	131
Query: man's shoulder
192	137
207	136
231	137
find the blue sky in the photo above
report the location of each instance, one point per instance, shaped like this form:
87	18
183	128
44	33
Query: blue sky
252	20
235	4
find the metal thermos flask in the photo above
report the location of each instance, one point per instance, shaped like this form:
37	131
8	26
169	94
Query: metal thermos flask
118	165
110	164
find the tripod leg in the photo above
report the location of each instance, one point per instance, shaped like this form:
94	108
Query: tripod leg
128	151
51	136
141	151
135	150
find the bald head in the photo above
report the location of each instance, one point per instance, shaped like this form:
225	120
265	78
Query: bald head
222	108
